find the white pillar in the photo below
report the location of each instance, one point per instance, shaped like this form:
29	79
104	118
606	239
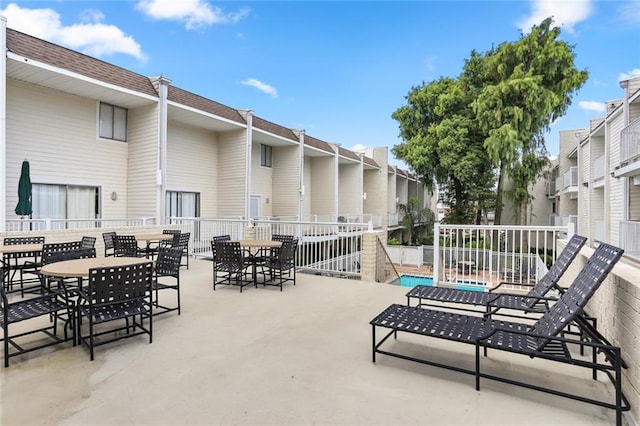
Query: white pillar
162	86
3	122
249	142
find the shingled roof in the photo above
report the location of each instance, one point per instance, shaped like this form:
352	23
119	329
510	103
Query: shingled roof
184	97
52	54
273	128
317	143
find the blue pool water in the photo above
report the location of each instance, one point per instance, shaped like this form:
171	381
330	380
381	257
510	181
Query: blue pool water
414	280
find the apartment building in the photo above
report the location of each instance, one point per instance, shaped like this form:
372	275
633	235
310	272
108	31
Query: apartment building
597	180
105	142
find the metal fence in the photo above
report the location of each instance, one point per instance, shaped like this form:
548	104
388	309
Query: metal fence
326	248
485	255
19	225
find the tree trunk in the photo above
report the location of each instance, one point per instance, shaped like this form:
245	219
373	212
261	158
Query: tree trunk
499	190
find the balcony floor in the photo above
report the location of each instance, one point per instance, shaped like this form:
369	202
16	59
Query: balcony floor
302	356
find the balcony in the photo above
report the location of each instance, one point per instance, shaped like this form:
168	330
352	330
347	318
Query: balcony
630	238
571	181
629	151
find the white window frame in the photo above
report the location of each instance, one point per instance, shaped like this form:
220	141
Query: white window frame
116	127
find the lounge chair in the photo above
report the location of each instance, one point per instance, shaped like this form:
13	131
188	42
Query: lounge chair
543	339
533	301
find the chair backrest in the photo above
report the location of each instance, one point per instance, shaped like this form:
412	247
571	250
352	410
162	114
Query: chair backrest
559	267
112	285
168	261
171	231
88	242
175	240
12	241
60	256
286	254
282	237
183	241
125	245
51	249
229	255
570	304
108	238
221	238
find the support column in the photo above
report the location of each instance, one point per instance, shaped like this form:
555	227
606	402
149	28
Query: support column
373	258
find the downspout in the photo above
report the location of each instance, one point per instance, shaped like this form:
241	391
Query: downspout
161	85
362	193
248	116
336	182
625	123
3	122
300	134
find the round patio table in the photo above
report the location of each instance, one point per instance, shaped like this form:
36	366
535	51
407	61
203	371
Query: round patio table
79	268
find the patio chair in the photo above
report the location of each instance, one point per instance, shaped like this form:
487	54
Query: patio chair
23	262
167	267
109	247
59	252
281	268
229	266
127	245
533	301
51	305
121	294
183	244
543	339
88	242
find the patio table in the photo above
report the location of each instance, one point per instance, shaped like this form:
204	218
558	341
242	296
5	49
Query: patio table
253	255
152	238
79	268
15	252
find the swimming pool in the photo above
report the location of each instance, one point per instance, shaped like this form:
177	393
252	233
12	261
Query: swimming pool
414	280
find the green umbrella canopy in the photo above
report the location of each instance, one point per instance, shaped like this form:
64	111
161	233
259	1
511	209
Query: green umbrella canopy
24	207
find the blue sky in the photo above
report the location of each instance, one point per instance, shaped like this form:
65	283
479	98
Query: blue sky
336	69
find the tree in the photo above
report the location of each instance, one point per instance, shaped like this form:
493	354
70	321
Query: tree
531	84
443	142
417	221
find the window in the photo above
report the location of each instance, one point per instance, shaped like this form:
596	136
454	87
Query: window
113	122
65	202
265	155
182	204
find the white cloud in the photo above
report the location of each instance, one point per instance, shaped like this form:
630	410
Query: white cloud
194	13
628	75
593	106
629	12
566	13
91	36
263	87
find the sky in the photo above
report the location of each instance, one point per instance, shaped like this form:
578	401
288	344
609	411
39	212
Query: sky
336	69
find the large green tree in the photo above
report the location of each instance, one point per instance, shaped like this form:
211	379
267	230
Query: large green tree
530	84
444	143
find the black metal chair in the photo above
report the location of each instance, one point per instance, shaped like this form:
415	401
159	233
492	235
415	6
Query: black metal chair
544	339
167	267
88	242
183	244
127	245
22	263
217	239
281	268
533	301
59	252
120	293
229	267
109	243
50	304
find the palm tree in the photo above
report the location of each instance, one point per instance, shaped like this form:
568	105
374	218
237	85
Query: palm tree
417	221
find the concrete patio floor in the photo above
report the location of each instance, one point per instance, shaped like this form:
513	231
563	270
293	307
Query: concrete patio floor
301	356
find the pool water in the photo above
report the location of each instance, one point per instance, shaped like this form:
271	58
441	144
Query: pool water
414	280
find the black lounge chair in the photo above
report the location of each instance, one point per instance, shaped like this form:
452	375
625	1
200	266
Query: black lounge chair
544	339
533	301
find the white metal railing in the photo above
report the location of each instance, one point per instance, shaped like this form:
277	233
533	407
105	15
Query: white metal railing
483	256
601	231
571	177
558	184
17	225
630	238
375	219
392	219
551	187
324	247
406	255
554	220
630	142
597	168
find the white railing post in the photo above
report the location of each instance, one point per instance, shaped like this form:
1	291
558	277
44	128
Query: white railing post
436	253
47	224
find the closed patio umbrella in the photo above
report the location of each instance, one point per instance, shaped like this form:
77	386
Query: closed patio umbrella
24	207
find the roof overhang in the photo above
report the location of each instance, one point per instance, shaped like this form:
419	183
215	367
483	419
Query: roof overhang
197	118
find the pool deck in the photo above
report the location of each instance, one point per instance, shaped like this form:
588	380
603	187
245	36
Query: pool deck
297	357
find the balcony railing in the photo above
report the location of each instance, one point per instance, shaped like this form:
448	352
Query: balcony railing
393	219
601	231
566	220
482	256
597	168
571	177
630	238
630	142
17	225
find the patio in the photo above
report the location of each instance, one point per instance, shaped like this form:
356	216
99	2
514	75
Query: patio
301	356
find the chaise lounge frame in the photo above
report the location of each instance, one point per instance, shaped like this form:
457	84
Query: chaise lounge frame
544	339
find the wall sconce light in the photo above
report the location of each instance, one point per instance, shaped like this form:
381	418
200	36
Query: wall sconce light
364	196
266	200
585	184
397	200
114	196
